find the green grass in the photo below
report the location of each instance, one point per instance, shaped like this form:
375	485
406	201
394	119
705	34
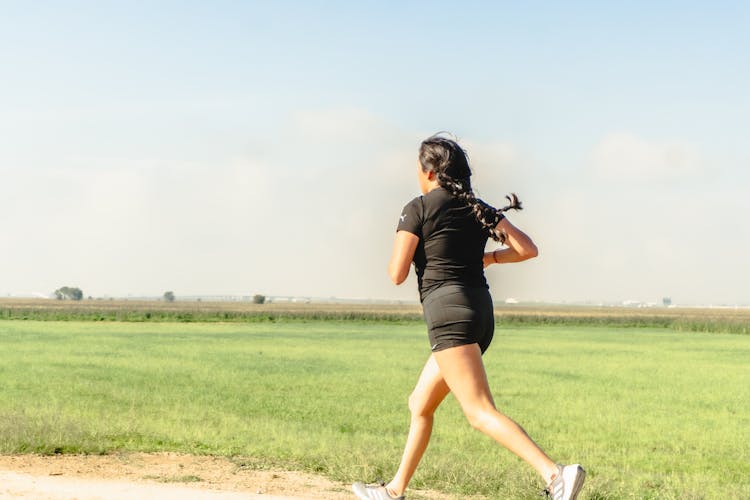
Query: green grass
651	413
174	479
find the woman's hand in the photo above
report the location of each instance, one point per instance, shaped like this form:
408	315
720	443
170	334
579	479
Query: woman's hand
520	246
488	259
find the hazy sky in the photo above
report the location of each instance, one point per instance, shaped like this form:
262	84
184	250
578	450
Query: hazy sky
241	147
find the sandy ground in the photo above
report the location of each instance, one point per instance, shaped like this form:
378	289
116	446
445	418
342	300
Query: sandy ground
164	476
154	476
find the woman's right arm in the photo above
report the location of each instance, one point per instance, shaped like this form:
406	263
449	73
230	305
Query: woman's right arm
519	246
404	248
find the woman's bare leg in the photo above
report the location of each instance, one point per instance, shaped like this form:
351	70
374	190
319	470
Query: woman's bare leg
463	371
429	392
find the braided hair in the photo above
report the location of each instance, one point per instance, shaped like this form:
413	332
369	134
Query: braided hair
451	166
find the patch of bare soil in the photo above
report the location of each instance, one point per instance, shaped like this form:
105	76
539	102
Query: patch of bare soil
153	475
162	476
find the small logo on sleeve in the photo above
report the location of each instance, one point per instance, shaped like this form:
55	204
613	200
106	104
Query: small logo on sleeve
403	217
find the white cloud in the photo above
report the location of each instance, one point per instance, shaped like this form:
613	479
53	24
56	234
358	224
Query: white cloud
627	157
309	212
311	209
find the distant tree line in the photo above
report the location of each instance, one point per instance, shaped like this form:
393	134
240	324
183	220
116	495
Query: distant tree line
74	293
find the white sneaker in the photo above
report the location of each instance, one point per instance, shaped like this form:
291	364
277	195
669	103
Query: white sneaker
373	492
567	483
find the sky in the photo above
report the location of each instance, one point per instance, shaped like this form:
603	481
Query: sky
229	147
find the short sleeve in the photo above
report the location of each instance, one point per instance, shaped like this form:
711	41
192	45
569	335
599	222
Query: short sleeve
411	217
489	209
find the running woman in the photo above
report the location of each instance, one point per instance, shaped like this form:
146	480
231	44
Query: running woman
444	233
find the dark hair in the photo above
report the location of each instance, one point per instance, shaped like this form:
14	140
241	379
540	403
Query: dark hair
445	157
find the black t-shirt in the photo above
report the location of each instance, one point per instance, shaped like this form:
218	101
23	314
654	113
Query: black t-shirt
451	241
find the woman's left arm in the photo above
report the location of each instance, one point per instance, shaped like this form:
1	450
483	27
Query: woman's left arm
403	253
519	246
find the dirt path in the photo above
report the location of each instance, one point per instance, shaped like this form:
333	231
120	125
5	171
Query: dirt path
154	476
162	476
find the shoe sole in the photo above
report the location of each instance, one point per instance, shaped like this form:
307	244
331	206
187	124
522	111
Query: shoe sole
355	489
580	477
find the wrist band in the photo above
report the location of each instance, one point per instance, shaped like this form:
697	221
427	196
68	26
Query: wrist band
494	256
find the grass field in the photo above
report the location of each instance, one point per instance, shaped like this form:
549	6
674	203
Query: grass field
651	412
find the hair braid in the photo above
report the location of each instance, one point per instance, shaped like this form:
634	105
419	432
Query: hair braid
446	158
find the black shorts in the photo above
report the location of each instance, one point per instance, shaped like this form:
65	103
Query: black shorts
458	315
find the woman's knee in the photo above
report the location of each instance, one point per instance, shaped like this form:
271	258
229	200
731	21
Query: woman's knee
482	417
419	407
